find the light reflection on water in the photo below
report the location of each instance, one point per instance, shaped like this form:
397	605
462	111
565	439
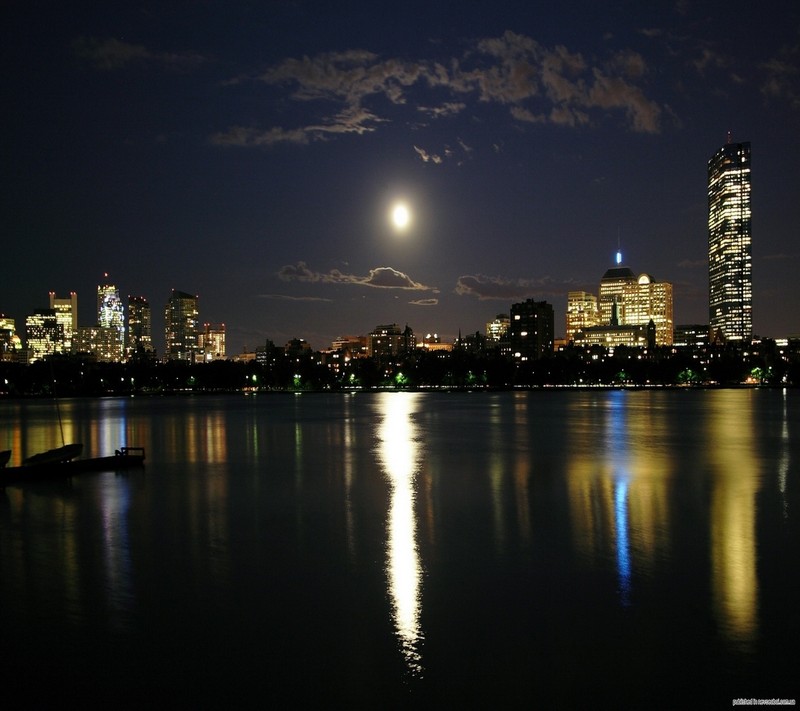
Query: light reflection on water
252	511
399	454
619	471
735	483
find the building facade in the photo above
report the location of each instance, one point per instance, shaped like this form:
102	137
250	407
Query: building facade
650	300
497	328
44	335
66	311
530	331
211	342
582	312
110	319
730	288
10	342
180	326
140	327
612	287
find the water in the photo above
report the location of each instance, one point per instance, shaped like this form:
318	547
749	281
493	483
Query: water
570	548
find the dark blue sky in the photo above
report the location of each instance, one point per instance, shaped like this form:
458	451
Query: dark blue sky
249	152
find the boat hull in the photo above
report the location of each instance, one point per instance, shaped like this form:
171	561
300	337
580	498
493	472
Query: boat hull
124	458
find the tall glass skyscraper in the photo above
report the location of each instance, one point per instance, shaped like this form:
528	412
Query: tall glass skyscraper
730	282
180	326
111	321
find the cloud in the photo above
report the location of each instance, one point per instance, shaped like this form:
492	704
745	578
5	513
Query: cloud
247	137
449	108
494	287
614	92
424	302
780	257
782	76
352	92
693	263
523	114
432	157
379	277
286	297
348	121
111	54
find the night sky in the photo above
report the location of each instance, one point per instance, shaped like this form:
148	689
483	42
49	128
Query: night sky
251	152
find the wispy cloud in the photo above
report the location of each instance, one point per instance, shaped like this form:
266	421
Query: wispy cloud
779	257
782	76
285	297
424	302
693	263
494	287
427	157
537	84
379	278
111	54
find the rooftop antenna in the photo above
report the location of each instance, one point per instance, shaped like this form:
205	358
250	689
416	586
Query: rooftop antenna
730	137
619	250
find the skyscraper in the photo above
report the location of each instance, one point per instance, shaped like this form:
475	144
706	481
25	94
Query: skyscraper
180	326
530	332
140	332
730	289
650	300
67	315
111	321
44	334
582	312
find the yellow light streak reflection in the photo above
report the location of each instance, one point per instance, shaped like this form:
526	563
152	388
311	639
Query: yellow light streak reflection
398	453
733	516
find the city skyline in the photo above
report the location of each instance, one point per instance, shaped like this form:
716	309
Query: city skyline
254	155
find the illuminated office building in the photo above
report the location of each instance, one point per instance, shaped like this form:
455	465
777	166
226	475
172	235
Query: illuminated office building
530	332
625	300
180	326
140	329
44	334
649	300
730	289
497	328
10	342
211	342
67	315
582	312
111	321
612	286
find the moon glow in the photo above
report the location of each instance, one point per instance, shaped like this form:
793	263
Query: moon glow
401	217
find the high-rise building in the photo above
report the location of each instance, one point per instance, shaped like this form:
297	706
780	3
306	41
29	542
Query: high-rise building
211	342
140	329
67	315
582	312
44	334
650	300
10	342
625	300
530	331
730	289
180	326
111	319
612	286
388	340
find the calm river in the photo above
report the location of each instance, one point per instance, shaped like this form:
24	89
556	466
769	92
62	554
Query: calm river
610	548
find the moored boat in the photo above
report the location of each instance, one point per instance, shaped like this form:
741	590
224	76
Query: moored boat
59	463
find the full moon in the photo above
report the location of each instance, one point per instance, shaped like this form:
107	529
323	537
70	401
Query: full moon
400	217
